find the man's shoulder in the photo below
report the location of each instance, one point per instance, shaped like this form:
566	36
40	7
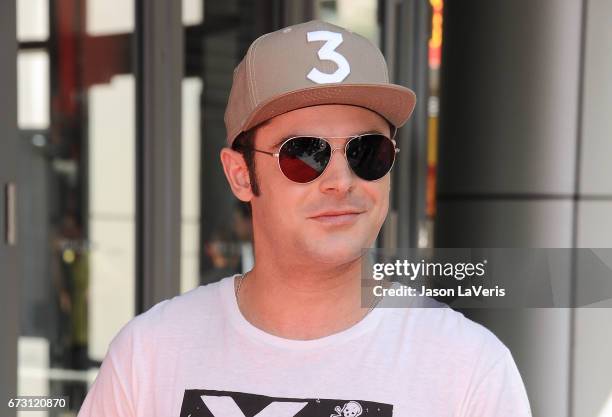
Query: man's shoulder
172	317
199	302
475	362
445	332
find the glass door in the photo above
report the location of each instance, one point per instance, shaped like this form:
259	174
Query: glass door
216	227
76	162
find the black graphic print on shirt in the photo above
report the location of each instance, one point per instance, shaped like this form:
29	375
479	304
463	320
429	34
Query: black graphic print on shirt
212	403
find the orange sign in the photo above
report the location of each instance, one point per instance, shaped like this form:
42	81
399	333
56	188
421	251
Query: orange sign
435	42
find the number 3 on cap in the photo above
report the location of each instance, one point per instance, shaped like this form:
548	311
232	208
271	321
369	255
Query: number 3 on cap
327	52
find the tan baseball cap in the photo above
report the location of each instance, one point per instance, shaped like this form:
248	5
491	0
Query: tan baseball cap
310	64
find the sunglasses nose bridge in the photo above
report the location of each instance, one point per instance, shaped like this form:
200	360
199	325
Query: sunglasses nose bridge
346	168
342	148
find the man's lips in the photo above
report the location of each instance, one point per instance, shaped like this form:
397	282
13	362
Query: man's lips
337	217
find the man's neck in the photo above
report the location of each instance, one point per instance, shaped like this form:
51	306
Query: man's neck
299	304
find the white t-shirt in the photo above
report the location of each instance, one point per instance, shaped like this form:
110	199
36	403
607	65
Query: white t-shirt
196	355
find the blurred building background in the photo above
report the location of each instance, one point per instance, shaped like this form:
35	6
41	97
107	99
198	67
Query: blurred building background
113	198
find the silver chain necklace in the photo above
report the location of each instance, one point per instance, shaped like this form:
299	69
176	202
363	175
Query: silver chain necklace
243	277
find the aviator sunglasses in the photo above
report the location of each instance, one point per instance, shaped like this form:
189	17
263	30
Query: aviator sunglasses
303	159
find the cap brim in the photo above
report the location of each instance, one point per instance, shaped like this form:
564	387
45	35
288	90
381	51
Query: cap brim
393	102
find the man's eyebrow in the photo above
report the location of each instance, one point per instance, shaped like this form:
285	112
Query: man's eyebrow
280	142
375	132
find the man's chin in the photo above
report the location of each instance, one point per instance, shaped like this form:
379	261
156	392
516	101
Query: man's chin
335	254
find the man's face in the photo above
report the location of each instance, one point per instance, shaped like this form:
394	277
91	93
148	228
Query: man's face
306	220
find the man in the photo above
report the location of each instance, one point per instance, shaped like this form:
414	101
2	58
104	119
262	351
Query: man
310	126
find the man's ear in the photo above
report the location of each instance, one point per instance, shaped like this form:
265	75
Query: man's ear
237	174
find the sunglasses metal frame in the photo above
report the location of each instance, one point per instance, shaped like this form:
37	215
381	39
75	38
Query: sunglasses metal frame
350	139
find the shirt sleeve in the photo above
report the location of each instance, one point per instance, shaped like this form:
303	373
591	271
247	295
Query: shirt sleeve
110	394
499	393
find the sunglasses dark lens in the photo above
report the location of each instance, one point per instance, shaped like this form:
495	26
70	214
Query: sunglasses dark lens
303	159
371	156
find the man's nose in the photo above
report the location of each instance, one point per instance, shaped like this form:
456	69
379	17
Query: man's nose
338	177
